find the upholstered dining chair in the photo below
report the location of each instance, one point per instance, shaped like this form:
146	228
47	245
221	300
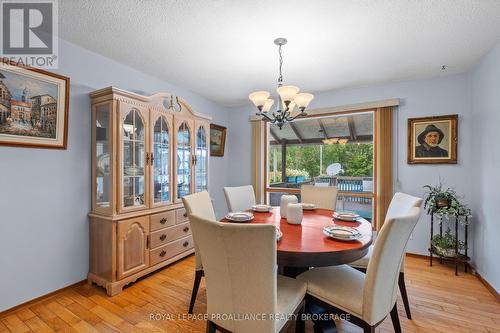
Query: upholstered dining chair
400	203
239	198
369	298
241	280
321	196
199	204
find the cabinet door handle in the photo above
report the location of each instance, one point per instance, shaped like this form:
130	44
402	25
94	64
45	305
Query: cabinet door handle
163	220
147	242
186	229
186	243
162	253
147	159
152	158
162	237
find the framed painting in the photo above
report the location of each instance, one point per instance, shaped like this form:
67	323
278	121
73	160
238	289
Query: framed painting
217	140
33	107
433	140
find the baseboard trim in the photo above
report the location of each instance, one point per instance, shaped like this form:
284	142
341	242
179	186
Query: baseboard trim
488	286
40	298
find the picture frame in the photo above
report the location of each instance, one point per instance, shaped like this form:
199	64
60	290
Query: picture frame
34	107
433	140
217	140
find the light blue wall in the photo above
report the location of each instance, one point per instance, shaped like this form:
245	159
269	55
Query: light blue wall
486	171
45	194
438	96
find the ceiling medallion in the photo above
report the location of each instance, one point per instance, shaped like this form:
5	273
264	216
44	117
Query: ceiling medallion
288	98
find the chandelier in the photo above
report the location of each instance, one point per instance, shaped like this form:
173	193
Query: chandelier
288	98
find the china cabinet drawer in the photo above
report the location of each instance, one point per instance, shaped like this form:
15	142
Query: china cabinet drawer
181	215
162	220
171	250
164	236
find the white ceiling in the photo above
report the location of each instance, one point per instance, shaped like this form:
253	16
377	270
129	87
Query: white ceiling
223	49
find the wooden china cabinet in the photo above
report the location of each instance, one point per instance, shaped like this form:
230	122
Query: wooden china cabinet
147	153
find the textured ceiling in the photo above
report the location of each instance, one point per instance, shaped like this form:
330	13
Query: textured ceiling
223	49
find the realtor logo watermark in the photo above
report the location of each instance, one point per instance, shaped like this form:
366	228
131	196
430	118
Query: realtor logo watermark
29	33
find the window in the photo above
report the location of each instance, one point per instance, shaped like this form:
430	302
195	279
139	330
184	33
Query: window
335	150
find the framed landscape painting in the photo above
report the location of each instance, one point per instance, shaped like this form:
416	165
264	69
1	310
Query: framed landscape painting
33	107
217	140
432	140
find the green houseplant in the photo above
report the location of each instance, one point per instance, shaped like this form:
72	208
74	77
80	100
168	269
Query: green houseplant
447	244
444	203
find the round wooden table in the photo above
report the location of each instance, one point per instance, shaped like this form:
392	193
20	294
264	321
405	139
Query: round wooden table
304	245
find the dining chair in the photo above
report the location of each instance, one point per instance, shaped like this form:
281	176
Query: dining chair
400	203
368	298
239	198
199	204
239	261
321	196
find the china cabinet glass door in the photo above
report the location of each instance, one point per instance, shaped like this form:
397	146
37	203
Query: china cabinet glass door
201	170
102	151
183	160
161	161
133	159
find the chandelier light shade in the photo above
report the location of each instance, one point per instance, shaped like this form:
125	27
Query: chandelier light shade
288	98
287	93
259	98
267	105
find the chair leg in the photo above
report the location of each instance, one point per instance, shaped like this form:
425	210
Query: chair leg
211	327
197	280
369	329
395	319
402	289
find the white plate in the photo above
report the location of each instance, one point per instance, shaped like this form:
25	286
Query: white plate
346	239
341	232
261	208
308	206
240	217
346	216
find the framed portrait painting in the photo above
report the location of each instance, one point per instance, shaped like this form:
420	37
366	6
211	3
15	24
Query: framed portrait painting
433	140
33	107
217	140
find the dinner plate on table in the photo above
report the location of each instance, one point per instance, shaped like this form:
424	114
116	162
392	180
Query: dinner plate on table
308	206
262	208
240	217
346	216
342	233
279	234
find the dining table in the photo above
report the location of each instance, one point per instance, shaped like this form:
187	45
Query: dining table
304	245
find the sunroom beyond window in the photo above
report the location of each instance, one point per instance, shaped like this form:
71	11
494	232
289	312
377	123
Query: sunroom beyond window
324	151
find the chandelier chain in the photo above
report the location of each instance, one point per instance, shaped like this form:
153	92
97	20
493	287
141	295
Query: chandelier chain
280	77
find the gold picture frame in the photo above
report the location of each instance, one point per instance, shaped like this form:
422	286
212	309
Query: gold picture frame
34	107
217	140
433	140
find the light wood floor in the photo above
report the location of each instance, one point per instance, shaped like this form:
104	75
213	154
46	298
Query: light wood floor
440	302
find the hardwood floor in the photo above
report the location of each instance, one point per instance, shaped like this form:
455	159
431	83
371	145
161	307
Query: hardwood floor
440	302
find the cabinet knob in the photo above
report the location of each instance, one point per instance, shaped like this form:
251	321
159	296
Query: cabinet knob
186	243
162	237
163	221
186	229
162	253
185	214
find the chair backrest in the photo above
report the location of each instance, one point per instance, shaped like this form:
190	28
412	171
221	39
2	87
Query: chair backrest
239	198
199	204
382	273
322	197
239	262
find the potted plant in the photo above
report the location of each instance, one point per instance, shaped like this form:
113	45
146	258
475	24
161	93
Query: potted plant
447	244
444	203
